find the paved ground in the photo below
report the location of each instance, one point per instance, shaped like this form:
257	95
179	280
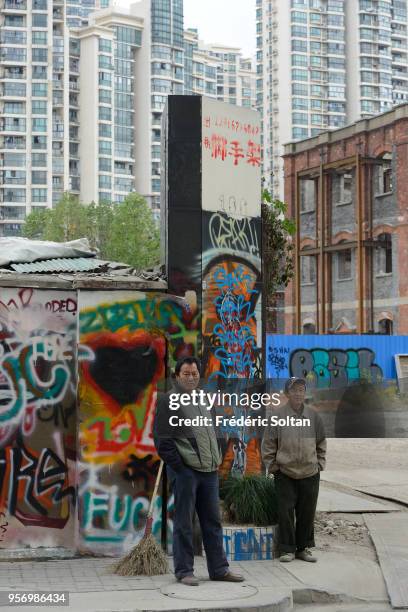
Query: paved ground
390	537
269	585
332	499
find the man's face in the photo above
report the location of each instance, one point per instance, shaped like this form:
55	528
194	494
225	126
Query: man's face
296	395
188	377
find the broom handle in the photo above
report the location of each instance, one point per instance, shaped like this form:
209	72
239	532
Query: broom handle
156	486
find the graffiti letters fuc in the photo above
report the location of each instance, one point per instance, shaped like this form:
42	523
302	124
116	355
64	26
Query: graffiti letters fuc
124	339
37	416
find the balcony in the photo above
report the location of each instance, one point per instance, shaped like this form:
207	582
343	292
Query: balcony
12	125
74	86
15	5
17	213
13	178
13	142
74	66
8	195
58	13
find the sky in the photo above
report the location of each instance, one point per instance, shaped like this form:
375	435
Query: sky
229	22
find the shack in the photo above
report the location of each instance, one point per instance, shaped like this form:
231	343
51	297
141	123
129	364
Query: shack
84	344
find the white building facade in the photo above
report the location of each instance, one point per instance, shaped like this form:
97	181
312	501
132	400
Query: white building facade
82	89
322	64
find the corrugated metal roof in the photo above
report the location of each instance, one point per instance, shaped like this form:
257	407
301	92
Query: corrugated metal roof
63	264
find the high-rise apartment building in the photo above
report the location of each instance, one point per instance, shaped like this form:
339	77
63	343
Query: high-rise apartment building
322	64
82	88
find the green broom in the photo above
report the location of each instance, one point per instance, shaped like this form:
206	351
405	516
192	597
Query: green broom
146	558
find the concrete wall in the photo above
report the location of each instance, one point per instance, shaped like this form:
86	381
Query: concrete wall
55	436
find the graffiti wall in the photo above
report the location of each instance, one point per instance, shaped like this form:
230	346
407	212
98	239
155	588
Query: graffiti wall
333	361
37	417
125	339
231	262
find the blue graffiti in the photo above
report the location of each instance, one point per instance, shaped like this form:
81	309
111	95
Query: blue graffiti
335	368
233	339
245	546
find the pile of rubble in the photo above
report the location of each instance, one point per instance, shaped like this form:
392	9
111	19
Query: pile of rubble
342	527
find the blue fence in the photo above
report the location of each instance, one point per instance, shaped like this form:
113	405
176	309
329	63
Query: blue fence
333	361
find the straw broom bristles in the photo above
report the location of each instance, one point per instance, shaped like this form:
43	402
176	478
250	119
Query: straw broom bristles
146	558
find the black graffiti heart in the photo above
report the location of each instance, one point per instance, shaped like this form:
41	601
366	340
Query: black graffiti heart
124	373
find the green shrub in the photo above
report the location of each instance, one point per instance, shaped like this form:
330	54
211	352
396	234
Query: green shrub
250	499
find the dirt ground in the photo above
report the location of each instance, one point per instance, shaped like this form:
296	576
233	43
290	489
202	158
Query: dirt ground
346	532
376	453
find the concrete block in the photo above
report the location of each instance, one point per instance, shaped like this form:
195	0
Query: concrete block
250	543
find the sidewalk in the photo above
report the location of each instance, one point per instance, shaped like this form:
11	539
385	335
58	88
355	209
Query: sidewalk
269	586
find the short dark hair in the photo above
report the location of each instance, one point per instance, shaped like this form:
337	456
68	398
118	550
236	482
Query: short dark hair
189	360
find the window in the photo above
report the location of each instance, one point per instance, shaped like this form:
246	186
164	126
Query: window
309	328
39	195
308	269
105	45
105	130
105	181
299	75
105	147
300	118
39	125
299	89
39	107
344	265
385	326
39	54
300	103
39	37
307	195
38	160
299	45
40	73
299	60
299	31
39	90
299	133
105	164
105	113
105	96
39	177
39	20
345	183
387	180
39	142
383	255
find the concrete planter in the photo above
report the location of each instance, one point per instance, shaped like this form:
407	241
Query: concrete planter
250	543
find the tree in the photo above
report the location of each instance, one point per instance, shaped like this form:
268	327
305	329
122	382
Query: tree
34	225
124	232
134	237
67	221
278	254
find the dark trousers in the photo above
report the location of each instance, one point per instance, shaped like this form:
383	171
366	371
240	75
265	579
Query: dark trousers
198	491
297	500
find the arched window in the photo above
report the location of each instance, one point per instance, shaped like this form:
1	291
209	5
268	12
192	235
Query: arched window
344	260
309	328
385	326
383	254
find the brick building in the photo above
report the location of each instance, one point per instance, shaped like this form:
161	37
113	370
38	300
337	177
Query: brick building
347	190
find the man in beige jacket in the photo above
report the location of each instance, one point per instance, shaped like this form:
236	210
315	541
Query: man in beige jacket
295	455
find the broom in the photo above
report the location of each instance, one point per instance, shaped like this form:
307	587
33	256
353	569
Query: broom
146	558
